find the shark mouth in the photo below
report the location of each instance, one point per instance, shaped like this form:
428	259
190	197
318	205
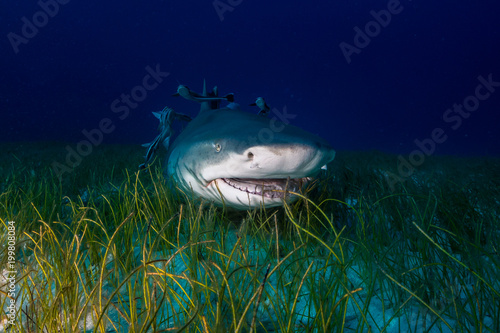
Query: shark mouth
268	188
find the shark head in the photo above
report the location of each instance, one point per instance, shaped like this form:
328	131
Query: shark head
242	160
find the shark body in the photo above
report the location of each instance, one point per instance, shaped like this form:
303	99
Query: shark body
224	157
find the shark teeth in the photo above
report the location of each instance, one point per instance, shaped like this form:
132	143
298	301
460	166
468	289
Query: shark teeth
269	188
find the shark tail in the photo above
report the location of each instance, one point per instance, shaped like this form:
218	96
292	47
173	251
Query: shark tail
230	97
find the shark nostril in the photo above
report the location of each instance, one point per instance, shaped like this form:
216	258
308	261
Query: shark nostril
250	155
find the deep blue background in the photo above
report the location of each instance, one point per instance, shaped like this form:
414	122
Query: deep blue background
395	91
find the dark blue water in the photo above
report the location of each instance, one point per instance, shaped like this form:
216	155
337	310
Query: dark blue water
362	74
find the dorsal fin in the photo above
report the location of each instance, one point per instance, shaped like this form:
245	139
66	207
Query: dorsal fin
212	105
215	104
204	105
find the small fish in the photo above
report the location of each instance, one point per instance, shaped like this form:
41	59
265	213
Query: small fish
163	137
261	103
166	117
188	94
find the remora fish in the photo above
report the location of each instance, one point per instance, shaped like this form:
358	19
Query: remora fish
188	94
166	117
261	103
229	157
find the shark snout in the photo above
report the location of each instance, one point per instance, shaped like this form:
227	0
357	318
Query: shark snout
288	160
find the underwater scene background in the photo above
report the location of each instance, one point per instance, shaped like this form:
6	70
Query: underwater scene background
399	234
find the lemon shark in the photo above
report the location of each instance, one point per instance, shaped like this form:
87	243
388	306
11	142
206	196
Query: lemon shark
242	160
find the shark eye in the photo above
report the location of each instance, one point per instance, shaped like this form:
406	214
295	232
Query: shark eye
217	147
250	155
